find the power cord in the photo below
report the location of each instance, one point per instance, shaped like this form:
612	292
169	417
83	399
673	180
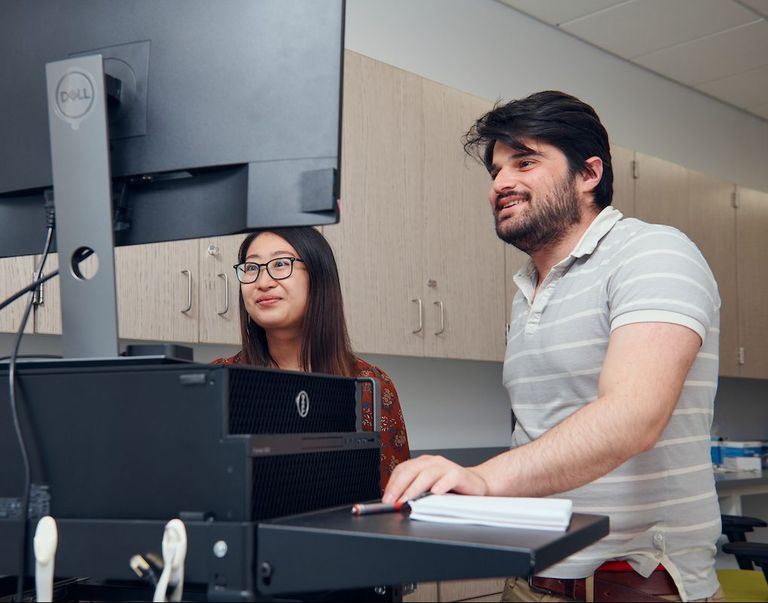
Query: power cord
31	287
15	414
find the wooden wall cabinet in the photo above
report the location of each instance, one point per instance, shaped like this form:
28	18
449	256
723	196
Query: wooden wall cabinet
157	289
661	192
170	292
219	291
422	272
377	242
464	260
702	207
623	164
486	589
48	311
712	226
15	273
752	251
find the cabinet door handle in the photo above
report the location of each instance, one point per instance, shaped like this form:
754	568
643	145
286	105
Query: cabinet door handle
189	291
417	300
226	293
38	295
440	305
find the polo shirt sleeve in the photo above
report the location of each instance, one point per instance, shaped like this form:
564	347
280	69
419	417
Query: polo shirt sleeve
661	276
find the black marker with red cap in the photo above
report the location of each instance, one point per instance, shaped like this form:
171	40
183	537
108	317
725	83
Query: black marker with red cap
379	507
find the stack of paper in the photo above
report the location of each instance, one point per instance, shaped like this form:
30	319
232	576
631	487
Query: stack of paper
497	511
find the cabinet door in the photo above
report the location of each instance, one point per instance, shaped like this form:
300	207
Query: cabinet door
157	291
752	250
464	293
48	312
15	274
661	192
378	240
470	590
219	290
712	226
514	260
622	161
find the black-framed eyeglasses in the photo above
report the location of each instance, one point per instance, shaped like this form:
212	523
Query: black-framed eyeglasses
277	268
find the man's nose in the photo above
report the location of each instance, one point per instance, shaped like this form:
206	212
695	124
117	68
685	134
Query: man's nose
504	181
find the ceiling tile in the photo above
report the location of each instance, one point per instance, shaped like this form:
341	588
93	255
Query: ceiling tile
713	57
761	6
761	111
638	27
748	89
555	12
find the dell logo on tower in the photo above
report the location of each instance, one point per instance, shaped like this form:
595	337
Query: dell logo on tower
302	403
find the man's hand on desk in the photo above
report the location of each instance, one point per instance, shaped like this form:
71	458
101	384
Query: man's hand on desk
435	474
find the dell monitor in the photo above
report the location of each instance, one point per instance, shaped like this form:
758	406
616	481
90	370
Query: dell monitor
218	118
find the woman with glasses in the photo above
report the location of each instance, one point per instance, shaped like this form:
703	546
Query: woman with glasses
292	317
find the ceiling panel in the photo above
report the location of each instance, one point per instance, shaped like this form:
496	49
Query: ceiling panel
761	6
748	89
713	57
761	111
717	47
555	12
642	26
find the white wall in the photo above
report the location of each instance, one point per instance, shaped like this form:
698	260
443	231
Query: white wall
488	49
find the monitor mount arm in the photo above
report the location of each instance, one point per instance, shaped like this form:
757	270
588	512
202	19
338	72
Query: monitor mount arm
77	116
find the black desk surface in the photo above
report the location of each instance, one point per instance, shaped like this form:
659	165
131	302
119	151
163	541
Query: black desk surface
333	549
319	551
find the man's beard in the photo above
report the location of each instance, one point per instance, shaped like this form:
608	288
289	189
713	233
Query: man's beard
545	221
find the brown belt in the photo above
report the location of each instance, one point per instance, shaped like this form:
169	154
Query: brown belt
610	586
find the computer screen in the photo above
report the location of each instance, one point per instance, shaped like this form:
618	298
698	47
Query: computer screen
227	116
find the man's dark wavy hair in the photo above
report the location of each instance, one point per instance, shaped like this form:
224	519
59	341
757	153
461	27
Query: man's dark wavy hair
551	117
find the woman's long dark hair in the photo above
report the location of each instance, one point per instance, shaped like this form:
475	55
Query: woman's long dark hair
325	346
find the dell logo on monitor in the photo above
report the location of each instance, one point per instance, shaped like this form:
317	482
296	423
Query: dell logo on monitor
302	403
74	95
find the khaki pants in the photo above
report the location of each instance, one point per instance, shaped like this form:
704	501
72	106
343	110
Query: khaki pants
517	589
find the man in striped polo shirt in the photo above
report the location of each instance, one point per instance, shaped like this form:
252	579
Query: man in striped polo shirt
611	365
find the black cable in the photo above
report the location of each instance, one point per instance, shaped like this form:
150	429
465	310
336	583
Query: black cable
31	287
17	423
39	281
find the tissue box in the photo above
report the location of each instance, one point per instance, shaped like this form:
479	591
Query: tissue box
742	456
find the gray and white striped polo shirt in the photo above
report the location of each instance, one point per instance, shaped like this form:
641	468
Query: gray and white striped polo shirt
662	502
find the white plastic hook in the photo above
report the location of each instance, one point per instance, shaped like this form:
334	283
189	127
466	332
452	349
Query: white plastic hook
174	554
45	542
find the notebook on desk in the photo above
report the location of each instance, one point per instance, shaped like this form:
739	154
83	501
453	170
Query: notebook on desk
496	511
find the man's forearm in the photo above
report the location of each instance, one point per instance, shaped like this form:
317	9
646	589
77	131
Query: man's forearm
585	446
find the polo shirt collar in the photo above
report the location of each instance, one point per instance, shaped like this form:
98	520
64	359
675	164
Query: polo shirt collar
526	277
600	227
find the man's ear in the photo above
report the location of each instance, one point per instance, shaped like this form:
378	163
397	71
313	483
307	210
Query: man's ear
591	175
